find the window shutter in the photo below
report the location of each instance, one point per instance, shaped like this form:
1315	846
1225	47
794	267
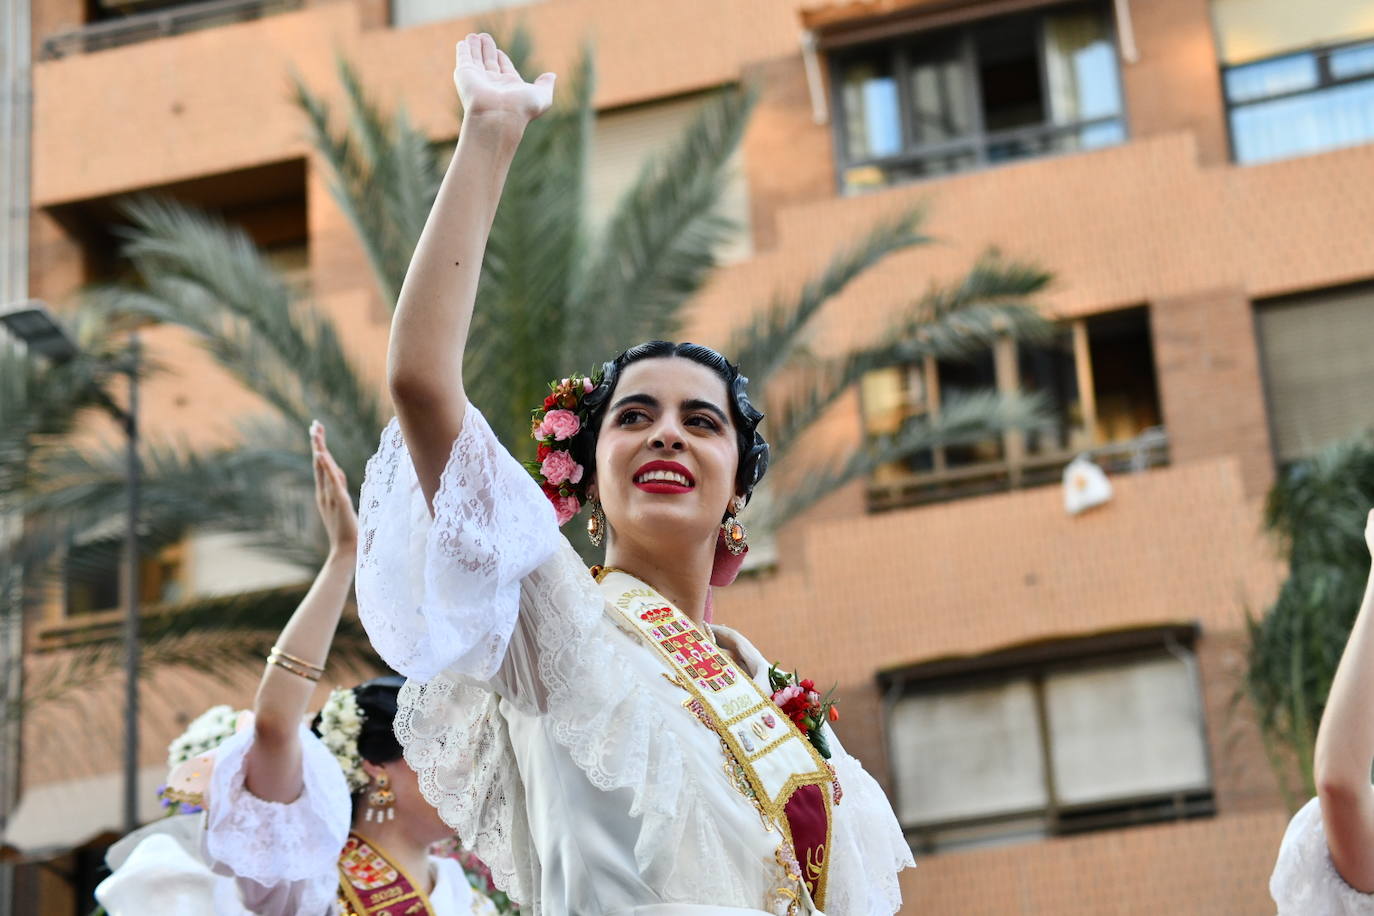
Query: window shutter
966	753
1125	731
1317	368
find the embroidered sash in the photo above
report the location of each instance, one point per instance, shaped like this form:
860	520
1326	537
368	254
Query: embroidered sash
372	885
787	777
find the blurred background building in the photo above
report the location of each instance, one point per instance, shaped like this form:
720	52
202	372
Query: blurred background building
1051	701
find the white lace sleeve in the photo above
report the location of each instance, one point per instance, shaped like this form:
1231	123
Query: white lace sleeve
1305	883
457	743
566	665
868	848
245	836
443	592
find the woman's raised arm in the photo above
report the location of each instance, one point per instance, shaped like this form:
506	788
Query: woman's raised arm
274	761
434	309
1345	750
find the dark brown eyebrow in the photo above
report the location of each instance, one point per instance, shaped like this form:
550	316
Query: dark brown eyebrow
649	400
696	404
645	399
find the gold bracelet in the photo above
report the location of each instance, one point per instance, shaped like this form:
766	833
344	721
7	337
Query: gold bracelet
291	667
276	650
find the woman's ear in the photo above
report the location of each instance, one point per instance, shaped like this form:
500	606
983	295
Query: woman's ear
373	770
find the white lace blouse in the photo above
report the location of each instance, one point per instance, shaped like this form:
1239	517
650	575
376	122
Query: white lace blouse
551	740
1305	882
249	856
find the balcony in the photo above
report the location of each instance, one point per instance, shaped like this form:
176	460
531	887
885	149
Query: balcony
160	23
1150	449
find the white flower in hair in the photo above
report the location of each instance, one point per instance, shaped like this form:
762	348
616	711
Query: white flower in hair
205	733
340	725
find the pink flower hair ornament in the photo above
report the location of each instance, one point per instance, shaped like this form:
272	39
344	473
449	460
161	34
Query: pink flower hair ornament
554	425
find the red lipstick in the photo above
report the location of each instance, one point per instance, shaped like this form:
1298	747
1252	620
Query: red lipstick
661	485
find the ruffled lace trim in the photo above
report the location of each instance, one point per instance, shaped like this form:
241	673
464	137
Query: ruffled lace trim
247	835
869	846
443	593
1305	882
455	739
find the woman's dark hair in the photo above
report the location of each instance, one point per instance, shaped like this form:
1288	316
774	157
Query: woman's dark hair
377	706
753	450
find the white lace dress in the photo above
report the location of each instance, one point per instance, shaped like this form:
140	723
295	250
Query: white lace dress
249	856
551	740
1305	882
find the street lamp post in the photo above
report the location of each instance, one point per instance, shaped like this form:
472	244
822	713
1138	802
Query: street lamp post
33	324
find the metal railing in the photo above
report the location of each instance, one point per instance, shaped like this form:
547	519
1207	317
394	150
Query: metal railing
176	20
1148	449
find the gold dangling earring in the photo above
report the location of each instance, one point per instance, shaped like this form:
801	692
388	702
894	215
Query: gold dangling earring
736	538
596	524
382	801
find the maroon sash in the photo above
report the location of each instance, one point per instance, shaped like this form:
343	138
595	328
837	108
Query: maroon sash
808	816
370	884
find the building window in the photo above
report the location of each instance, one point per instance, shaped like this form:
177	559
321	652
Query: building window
1298	78
996	91
95	579
267	202
115	23
1314	351
415	12
1049	740
1097	378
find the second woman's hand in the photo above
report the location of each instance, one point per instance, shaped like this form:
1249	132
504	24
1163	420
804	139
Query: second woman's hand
274	770
490	87
332	498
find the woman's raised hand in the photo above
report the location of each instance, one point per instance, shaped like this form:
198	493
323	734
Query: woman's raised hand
331	495
488	83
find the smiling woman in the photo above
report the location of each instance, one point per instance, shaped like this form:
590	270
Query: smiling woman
602	746
673	442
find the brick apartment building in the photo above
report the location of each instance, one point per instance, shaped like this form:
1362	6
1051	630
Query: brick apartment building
1049	700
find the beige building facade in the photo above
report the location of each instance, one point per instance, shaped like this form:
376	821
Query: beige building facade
1049	699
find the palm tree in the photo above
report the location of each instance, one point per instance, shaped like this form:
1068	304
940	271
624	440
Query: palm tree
555	297
1317	513
41	402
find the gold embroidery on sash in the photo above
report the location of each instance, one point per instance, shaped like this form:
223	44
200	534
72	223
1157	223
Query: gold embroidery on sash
365	867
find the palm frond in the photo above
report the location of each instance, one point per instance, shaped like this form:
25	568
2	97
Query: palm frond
764	343
1317	511
209	278
384	173
224	636
82	493
948	322
664	235
960	320
40	401
962	420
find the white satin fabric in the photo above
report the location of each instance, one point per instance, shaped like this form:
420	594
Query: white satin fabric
250	856
551	740
1305	882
